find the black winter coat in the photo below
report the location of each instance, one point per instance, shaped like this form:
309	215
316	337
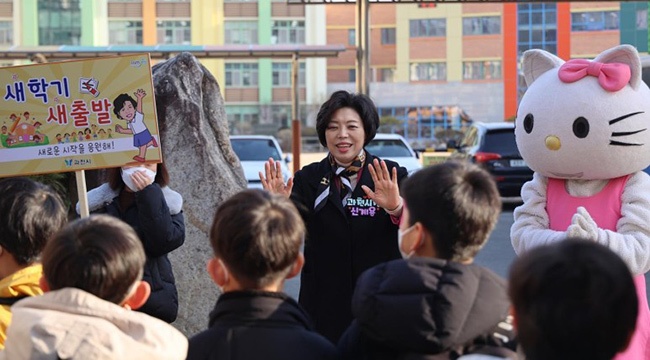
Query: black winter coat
161	231
259	325
340	244
424	308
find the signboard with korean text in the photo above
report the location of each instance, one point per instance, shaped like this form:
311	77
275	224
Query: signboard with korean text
77	115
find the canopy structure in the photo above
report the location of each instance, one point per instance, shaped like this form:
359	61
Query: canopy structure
167	51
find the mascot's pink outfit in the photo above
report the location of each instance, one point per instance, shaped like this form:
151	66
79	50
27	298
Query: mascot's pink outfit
605	209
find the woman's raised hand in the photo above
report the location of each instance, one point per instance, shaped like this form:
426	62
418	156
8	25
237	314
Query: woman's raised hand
272	179
386	192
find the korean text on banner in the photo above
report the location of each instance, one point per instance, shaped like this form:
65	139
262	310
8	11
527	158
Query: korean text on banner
77	115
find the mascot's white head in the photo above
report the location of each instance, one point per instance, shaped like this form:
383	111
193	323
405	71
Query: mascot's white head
584	119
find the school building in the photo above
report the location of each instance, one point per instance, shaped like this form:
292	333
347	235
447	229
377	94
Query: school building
426	60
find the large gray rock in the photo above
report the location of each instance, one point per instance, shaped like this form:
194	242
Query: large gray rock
203	168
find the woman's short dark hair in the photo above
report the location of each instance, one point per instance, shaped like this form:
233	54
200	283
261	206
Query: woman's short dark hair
361	103
458	202
574	299
114	176
31	213
119	101
258	236
100	254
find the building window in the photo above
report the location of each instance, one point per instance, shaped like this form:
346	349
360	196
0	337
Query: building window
537	24
352	75
352	39
483	25
428	71
241	32
241	74
282	74
642	19
174	32
288	32
481	70
59	22
6	33
385	75
595	20
428	27
124	32
388	36
242	118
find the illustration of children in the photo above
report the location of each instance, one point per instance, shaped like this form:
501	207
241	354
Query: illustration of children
110	133
66	138
93	130
4	129
59	139
80	136
102	133
126	108
87	133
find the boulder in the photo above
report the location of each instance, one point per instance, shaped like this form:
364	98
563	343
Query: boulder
203	168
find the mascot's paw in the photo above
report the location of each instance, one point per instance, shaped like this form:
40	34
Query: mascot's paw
582	225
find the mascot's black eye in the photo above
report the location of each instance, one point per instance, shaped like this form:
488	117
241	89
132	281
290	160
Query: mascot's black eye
528	123
581	127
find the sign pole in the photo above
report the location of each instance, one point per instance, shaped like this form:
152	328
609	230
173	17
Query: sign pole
81	191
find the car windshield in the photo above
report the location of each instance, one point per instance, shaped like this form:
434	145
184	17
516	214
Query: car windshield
255	149
500	142
388	148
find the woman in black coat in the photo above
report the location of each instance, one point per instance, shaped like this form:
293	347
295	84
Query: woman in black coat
139	196
350	204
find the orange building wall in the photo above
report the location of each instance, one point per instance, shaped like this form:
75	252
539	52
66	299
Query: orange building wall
469	8
476	46
510	71
591	43
381	54
428	48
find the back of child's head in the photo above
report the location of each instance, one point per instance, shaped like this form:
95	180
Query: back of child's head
100	254
572	300
258	236
457	202
30	213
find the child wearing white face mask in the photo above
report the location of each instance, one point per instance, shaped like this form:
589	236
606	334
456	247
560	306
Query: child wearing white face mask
436	302
139	195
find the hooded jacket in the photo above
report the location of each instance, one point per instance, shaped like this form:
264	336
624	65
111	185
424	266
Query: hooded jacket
425	308
259	325
157	217
13	287
72	324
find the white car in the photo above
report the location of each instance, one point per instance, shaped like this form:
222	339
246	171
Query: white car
255	150
394	147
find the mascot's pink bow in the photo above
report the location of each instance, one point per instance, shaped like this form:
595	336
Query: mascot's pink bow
611	76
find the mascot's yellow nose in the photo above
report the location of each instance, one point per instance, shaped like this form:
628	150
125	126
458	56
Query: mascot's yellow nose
553	142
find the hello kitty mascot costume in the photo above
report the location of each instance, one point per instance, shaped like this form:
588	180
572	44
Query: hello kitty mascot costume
584	128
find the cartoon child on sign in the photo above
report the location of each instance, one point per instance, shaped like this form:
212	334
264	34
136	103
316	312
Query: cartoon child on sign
126	108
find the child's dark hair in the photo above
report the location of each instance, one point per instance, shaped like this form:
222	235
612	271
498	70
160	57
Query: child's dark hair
258	236
361	103
115	181
30	214
572	300
458	202
100	254
119	101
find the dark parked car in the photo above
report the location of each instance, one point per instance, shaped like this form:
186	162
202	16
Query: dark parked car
493	146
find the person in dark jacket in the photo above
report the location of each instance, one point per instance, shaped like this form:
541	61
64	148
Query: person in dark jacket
574	299
256	238
435	304
351	205
139	196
